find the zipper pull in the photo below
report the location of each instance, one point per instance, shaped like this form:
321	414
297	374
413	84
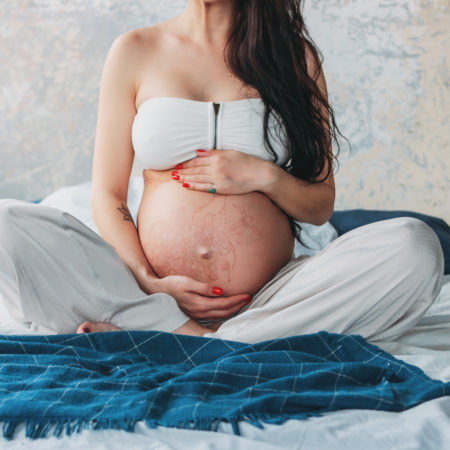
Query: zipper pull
216	112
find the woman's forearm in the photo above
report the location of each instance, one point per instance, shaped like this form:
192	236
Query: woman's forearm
115	224
304	202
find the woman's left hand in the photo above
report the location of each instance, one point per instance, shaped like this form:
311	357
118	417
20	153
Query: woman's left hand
228	171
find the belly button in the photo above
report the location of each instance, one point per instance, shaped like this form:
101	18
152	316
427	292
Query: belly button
204	252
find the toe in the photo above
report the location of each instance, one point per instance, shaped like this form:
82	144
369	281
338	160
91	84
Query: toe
96	327
85	327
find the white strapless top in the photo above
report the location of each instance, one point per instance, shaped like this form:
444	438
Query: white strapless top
168	130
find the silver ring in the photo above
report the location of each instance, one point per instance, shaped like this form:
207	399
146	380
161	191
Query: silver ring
212	188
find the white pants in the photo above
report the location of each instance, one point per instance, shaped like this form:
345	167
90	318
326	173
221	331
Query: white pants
55	273
376	281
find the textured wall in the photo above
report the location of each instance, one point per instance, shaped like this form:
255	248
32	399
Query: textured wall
385	63
387	68
51	58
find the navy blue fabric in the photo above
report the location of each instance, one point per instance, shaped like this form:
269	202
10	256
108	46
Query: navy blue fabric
347	220
63	383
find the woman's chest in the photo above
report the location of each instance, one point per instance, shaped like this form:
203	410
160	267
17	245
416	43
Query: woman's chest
168	130
188	73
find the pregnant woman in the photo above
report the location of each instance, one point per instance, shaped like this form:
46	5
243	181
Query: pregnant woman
226	106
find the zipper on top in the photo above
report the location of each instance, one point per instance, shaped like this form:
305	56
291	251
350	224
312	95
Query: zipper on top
216	112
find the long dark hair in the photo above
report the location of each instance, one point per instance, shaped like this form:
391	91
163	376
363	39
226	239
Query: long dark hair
267	49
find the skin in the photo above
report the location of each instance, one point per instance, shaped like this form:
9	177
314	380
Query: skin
237	242
137	68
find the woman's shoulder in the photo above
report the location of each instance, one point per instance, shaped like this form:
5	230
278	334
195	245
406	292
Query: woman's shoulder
145	37
138	39
133	49
142	46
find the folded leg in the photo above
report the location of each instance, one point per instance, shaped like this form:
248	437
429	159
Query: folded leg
376	281
55	273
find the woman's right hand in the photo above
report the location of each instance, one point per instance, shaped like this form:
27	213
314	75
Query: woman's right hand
200	300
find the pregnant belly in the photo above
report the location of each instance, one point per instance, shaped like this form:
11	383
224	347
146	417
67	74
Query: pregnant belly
236	242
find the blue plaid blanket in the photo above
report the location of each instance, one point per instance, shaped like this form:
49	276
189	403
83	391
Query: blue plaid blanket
64	383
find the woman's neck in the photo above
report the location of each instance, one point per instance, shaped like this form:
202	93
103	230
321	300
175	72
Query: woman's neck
207	22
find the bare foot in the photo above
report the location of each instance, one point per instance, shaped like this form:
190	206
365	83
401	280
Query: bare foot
191	328
96	327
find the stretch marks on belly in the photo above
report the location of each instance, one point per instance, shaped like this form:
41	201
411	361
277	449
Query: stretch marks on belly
207	244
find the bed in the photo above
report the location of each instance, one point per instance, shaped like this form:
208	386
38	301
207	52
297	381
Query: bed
426	346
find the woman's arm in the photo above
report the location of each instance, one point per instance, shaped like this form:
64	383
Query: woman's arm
304	202
235	172
113	156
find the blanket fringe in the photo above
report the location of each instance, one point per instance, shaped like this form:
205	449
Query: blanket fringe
40	428
212	424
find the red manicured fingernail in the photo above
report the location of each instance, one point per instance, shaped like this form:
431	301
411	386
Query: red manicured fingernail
86	330
217	290
175	175
186	185
201	151
179	166
175	172
248	299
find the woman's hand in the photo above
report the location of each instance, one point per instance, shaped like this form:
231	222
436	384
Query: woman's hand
200	300
229	171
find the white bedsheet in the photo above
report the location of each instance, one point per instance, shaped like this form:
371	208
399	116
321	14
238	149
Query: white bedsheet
425	427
